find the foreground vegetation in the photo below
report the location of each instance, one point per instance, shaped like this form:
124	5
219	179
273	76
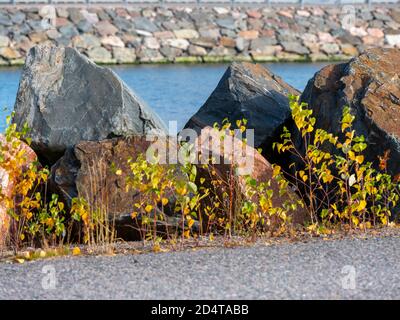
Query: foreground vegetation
334	184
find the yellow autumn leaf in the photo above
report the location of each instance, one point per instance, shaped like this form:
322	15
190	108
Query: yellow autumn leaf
118	172
76	251
362	205
355	220
20	260
156	248
148	208
164	201
134	215
190	223
360	159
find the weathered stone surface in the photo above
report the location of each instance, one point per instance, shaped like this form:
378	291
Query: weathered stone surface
330	48
186	34
9	53
247	161
147	55
86	41
178	43
8	181
99	55
87	171
271	34
4	41
151	43
112	41
105	28
38	37
294	47
197	51
249	34
65	98
370	86
393	39
124	55
349	50
145	24
247	91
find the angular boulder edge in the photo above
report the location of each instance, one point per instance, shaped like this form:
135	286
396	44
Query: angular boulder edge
65	98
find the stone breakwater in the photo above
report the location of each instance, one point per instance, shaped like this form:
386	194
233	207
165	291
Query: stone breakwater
199	34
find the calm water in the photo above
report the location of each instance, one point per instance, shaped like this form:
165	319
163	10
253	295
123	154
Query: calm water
175	92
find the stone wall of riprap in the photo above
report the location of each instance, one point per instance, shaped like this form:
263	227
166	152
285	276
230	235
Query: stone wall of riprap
199	34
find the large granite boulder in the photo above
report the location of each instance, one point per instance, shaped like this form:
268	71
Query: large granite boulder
11	171
89	171
65	98
370	85
248	91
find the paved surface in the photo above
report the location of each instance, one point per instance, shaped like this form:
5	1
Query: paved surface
320	269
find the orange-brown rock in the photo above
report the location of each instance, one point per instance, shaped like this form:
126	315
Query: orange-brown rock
370	85
89	171
231	154
9	178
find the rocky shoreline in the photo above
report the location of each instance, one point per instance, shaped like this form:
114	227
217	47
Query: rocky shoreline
184	34
84	122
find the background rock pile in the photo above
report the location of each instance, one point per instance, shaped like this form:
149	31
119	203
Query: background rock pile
200	34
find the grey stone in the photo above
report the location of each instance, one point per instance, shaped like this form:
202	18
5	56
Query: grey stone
124	55
68	31
5	20
99	55
75	15
18	17
62	12
197	51
294	47
123	24
84	26
149	55
247	91
381	16
228	23
145	24
260	43
4	41
210	33
36	25
170	52
204	42
376	24
169	25
63	41
65	98
86	41
241	44
330	48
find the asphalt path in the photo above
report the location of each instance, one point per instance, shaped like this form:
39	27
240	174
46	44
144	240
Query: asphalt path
338	269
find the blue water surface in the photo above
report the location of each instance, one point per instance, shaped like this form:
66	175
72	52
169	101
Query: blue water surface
175	92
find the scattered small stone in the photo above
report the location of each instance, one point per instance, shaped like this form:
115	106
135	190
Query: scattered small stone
112	41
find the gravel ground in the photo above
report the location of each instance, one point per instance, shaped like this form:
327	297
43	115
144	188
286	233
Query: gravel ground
339	269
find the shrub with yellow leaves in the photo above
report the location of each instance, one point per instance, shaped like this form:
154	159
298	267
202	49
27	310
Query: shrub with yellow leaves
331	175
31	217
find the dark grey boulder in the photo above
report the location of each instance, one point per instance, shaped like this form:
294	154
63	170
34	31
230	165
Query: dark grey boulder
248	91
65	98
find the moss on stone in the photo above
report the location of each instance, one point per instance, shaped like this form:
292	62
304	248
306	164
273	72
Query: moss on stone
188	59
